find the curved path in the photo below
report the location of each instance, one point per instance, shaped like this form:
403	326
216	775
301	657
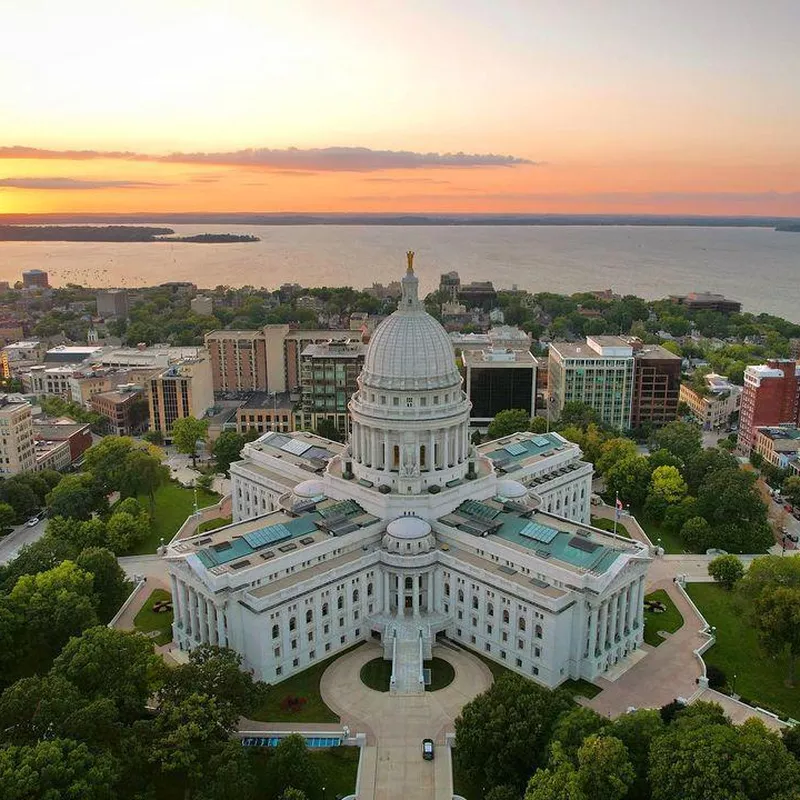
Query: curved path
395	725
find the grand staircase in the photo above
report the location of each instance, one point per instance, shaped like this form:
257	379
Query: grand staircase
407	661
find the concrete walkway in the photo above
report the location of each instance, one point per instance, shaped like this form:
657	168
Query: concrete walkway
393	768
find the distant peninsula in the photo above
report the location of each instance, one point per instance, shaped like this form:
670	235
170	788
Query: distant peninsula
111	233
788	227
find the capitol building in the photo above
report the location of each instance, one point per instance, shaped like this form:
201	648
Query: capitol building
409	534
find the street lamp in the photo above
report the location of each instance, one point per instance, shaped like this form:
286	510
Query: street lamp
733	688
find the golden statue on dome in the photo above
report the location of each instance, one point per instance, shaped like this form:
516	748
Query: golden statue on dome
410	257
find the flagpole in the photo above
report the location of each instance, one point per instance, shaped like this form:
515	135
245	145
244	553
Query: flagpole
616	513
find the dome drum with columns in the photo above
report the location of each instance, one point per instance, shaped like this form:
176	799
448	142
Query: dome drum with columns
410	416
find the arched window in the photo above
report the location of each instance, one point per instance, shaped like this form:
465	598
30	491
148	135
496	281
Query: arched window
474	602
490	609
447	590
538	631
292	623
309	616
521	623
505	616
324	609
340	603
369	590
460	595
275	632
355	595
409	583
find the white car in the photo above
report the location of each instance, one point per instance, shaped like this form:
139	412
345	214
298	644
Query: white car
32	522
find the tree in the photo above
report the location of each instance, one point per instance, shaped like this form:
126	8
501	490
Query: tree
667	484
77	496
770	572
229	776
722	761
726	570
663	458
629	479
777	619
538	425
7	517
154	437
791	740
291	766
55	769
637	730
678	515
503	733
106	460
604	769
55	605
229	444
107	663
507	422
614	450
682	439
77	533
577	413
110	584
328	429
186	433
576	725
791	490
142	473
40	556
502	792
704	463
19	495
696	534
123	531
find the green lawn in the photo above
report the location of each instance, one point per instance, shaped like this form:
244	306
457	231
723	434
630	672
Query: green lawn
277	705
608	525
338	768
377	674
670	620
671	542
581	688
759	678
174	503
148	620
212	524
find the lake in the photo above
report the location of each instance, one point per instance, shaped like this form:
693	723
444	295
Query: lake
758	266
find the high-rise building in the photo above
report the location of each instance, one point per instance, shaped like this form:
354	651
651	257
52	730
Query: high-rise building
656	385
182	390
248	361
715	404
17	452
328	378
499	379
598	373
771	396
35	279
112	303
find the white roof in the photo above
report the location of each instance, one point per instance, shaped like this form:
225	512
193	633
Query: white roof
408	528
511	489
310	488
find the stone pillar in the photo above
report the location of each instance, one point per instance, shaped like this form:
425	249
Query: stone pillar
221	635
640	604
386	594
431	591
447	438
185	610
211	612
387	456
603	625
201	614
626	624
415	583
612	633
431	452
375	447
195	612
593	611
354	440
176	601
622	609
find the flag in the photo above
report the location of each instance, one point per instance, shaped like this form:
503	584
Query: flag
618	508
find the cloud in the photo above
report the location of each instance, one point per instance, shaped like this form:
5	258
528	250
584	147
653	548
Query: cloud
430	181
73	184
321	159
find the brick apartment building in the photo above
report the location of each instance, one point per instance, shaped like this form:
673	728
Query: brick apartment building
771	396
656	385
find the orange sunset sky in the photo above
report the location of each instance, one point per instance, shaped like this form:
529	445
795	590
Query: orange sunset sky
419	105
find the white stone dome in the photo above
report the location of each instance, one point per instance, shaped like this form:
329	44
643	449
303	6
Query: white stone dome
410	350
512	490
308	489
408	528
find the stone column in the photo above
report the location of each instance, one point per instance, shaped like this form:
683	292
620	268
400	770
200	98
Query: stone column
211	612
176	603
185	610
626	624
387	456
431	591
603	625
593	610
221	637
386	595
375	447
201	614
195	610
640	604
431	452
612	633
622	609
415	595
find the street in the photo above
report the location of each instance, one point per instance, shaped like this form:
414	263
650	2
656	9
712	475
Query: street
11	544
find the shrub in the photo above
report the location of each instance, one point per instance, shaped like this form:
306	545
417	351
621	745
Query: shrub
716	677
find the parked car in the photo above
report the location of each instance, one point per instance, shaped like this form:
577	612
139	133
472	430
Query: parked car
427	749
32	522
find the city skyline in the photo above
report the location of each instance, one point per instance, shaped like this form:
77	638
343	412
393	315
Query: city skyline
565	108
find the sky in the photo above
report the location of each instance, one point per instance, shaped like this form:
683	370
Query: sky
569	106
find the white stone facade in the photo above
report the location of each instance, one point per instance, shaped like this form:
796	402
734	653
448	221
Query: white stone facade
409	533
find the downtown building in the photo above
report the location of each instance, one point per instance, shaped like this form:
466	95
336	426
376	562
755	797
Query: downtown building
408	533
771	396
